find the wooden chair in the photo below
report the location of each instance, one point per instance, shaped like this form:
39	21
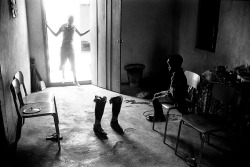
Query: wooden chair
193	81
207	124
35	97
24	110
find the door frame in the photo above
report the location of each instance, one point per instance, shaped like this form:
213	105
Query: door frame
108	35
45	43
110	71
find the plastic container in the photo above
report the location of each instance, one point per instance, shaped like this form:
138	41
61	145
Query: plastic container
135	72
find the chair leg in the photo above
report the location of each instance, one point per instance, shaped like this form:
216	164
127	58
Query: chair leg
203	138
55	107
56	120
23	121
166	126
208	139
177	142
153	126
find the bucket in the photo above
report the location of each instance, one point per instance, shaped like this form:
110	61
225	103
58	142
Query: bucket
134	72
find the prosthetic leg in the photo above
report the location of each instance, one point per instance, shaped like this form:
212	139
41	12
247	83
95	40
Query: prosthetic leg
99	109
116	107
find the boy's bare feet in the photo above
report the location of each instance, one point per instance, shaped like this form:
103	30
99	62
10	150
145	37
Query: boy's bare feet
76	83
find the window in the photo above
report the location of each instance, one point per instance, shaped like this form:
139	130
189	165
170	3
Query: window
207	25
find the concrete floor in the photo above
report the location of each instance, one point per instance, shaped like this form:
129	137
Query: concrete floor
139	146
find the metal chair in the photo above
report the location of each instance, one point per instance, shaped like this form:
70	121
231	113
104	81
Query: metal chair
193	81
26	110
207	124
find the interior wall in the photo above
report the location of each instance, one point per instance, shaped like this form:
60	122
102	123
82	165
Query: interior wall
233	37
14	56
36	39
234	33
147	32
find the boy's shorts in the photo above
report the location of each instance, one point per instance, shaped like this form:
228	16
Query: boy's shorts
67	53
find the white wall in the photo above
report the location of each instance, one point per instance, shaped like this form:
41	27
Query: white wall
14	56
36	41
233	39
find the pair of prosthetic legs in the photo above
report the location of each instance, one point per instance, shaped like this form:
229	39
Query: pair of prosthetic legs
99	110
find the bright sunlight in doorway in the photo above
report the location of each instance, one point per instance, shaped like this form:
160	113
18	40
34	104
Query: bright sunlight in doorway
57	13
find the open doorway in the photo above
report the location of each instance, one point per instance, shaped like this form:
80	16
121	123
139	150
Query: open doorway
57	13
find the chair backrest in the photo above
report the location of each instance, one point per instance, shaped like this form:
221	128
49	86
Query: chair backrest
193	79
19	76
226	94
16	93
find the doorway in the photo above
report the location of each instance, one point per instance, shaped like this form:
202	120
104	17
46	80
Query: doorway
57	13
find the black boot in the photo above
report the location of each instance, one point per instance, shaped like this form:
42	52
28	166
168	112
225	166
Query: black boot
99	109
98	130
116	107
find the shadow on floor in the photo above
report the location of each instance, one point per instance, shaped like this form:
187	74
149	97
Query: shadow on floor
147	87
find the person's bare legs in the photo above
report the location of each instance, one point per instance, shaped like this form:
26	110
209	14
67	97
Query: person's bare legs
63	76
63	60
75	80
73	69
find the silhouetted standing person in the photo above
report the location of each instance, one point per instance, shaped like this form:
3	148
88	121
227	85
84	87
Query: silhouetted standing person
67	50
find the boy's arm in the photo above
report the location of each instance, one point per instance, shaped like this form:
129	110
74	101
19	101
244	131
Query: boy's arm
171	93
55	34
81	34
175	83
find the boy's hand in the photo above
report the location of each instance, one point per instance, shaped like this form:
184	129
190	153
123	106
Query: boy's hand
87	31
167	92
164	92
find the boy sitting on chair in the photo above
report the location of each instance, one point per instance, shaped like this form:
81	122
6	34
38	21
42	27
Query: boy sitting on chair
175	94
